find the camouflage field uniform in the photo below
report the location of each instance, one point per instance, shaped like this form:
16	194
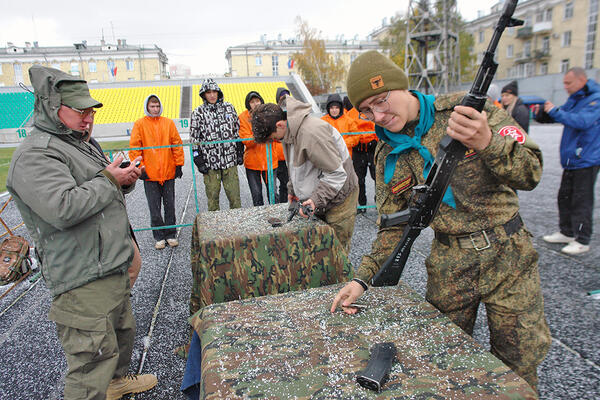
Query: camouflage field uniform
504	276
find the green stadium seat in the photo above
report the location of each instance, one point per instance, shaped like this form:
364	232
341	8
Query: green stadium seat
17	109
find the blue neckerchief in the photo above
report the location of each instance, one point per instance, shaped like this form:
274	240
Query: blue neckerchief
402	143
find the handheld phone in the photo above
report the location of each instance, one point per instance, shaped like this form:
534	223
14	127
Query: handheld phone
127	163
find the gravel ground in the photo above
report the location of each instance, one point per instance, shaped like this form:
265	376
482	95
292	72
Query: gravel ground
32	363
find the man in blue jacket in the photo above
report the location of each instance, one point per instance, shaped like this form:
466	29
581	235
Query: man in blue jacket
580	159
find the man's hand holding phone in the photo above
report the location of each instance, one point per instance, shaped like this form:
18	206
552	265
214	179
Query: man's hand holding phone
125	174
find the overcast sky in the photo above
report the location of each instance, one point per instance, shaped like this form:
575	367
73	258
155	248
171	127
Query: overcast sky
196	33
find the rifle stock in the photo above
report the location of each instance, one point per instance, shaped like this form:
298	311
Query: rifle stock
426	198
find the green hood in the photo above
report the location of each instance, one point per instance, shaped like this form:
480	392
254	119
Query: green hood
45	82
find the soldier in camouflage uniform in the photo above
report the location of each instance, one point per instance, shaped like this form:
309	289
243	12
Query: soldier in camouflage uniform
482	252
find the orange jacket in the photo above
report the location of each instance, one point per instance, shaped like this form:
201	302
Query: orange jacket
157	131
344	124
255	155
278	150
362	126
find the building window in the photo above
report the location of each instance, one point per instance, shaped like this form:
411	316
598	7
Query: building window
590	41
92	66
258	60
0	69
569	10
481	36
564	66
510	51
129	65
548	15
566	39
18	73
546	44
259	74
527	20
275	61
539	17
529	69
527	49
544	69
74	69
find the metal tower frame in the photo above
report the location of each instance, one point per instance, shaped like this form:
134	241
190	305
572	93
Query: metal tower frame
432	47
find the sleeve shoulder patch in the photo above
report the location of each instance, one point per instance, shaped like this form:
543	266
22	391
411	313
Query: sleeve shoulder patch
513	132
402	185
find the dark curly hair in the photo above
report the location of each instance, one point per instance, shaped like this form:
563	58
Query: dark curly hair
264	120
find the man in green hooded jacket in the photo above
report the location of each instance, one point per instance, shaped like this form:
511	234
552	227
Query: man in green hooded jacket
72	202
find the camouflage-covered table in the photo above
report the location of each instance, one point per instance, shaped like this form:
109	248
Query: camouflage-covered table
238	254
290	346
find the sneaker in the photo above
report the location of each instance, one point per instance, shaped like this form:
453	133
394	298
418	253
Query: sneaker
161	244
361	210
173	242
575	248
558	237
130	384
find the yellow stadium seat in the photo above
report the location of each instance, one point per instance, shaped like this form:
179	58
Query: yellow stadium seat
127	104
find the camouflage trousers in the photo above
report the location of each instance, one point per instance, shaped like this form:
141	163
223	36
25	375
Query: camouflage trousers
341	218
96	328
231	184
505	278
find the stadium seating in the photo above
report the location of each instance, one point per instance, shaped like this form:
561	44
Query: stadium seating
127	104
235	93
17	108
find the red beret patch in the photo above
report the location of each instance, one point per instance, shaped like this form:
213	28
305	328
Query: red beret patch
513	132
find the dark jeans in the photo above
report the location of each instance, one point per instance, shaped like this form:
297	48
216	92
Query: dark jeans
165	194
254	181
283	177
576	203
363	160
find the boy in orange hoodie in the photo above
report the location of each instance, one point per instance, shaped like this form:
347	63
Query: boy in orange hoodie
162	167
335	116
363	155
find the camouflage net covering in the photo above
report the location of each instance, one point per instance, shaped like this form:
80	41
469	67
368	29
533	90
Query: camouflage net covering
290	346
238	254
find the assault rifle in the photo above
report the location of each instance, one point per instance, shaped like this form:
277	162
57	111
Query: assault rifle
426	198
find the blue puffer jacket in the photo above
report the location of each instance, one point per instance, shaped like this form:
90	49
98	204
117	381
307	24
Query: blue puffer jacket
580	143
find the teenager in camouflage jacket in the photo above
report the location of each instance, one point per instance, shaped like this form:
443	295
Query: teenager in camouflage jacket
482	252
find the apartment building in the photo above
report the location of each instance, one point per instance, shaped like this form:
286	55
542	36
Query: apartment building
556	35
94	63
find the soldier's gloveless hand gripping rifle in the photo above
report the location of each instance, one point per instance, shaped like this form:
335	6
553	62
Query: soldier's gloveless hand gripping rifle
426	198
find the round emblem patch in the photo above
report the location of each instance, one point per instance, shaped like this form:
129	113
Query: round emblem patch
513	132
